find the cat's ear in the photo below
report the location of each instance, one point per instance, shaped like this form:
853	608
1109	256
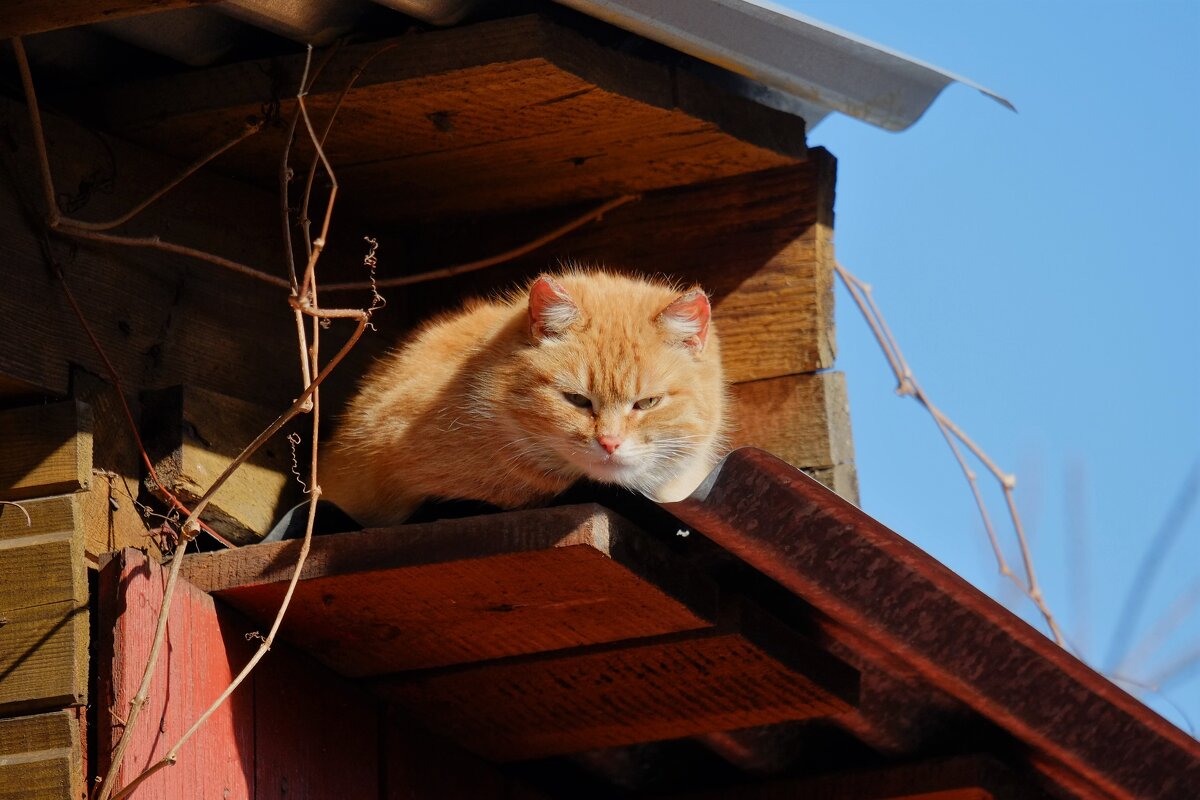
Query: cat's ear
685	320
551	309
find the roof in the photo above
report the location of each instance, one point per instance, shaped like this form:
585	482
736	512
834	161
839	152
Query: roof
787	60
766	629
762	51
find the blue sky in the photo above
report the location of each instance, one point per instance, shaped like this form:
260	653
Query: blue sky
1041	271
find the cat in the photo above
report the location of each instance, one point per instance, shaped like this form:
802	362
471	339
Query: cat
510	401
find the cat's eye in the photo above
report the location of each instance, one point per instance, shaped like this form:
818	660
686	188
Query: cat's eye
646	403
577	400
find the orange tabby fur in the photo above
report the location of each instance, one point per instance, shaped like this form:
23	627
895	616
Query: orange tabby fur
485	403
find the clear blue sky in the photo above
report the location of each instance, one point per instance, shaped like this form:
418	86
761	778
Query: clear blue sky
1041	271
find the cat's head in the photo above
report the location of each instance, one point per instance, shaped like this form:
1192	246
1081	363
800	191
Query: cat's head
621	377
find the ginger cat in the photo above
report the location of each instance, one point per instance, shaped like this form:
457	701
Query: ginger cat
511	401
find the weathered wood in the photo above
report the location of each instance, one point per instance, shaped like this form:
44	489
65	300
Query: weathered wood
111	519
501	115
205	647
294	728
192	436
43	605
162	320
757	243
41	757
802	419
45	450
464	590
23	17
620	694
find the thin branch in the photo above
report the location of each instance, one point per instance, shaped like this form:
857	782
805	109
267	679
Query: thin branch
249	130
53	215
305	303
907	385
155	243
21	508
490	261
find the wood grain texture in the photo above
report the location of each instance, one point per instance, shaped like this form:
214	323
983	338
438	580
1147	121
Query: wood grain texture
802	419
507	114
464	590
563	703
162	320
111	520
45	450
204	649
44	606
41	757
192	437
23	17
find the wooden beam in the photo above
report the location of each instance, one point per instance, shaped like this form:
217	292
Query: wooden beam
804	420
192	435
23	17
45	450
41	757
294	728
43	605
457	591
507	114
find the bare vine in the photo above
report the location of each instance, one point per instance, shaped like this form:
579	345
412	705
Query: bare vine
956	439
303	300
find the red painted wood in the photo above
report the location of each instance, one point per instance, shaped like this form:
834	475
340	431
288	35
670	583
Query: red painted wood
317	735
204	648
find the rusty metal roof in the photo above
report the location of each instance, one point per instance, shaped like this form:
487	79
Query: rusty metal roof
881	602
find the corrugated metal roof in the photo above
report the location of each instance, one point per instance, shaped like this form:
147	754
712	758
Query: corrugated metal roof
801	65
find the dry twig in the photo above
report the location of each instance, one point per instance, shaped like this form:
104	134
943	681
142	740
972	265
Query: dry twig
907	385
303	301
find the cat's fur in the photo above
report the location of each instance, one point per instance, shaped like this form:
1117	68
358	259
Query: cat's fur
488	403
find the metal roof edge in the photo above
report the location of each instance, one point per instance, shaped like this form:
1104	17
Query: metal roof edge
788	52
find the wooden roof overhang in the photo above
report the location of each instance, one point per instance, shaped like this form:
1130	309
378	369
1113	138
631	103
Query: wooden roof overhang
500	116
781	628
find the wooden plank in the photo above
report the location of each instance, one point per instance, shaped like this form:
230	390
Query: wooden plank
41	757
802	419
192	437
315	735
162	320
205	647
23	17
757	243
43	606
663	688
45	450
464	590
506	114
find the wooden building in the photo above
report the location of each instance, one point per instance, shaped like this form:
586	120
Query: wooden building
764	638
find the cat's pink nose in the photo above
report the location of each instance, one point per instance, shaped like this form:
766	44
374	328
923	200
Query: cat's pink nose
609	443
